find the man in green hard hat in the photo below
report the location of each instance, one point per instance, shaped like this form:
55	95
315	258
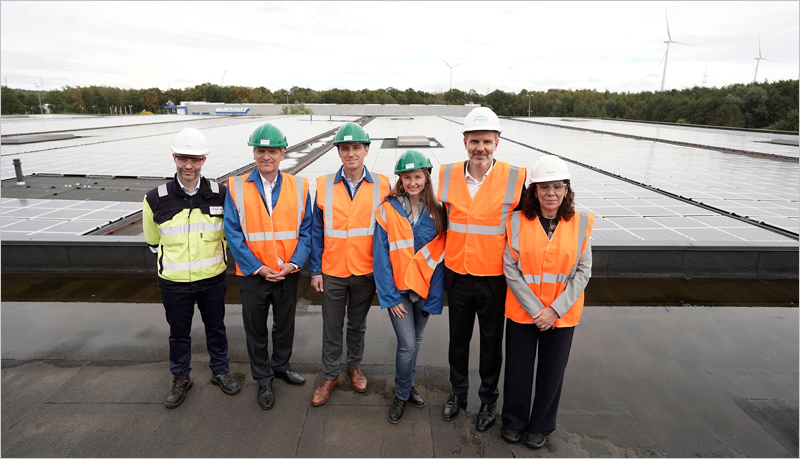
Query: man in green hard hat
268	227
341	256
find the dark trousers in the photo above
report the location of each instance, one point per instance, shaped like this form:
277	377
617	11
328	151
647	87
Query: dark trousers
354	295
257	295
467	297
554	346
179	308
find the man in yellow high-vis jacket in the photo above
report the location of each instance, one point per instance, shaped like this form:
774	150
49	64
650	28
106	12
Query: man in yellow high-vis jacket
183	225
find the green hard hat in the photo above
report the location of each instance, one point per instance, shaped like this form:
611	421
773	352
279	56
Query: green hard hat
351	132
267	135
412	160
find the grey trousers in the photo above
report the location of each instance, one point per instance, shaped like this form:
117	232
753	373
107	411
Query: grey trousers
353	295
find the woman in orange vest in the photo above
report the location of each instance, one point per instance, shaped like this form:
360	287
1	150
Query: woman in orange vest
547	263
408	249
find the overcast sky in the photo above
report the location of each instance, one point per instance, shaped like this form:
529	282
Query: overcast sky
509	46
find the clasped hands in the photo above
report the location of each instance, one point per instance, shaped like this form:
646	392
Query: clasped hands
545	319
275	276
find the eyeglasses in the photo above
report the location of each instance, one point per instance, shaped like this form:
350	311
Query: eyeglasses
557	187
190	159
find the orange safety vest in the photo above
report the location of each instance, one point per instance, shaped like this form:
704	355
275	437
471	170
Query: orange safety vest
270	238
411	271
547	264
349	224
476	227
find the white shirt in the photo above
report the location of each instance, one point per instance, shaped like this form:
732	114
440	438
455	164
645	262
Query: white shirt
473	184
268	187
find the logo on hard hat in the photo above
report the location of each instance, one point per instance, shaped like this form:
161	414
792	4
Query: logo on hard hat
480	118
549	172
264	141
348	137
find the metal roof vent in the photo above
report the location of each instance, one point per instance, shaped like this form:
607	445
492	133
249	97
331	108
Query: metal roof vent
413	141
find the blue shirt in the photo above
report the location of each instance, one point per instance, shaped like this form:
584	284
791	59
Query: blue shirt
247	261
318	223
424	232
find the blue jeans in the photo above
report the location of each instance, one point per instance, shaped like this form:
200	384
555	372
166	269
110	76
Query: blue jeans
409	331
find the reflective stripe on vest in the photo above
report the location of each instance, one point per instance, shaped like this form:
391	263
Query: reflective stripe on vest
544	262
268	235
269	245
193	265
349	224
482	229
189	228
351	232
476	225
410	271
549	278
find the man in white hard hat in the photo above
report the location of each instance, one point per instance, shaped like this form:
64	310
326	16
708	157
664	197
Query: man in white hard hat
183	224
479	195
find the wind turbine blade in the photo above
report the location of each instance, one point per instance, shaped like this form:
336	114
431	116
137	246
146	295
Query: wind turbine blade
459	64
680	43
662	58
667	18
440	57
770	60
759	45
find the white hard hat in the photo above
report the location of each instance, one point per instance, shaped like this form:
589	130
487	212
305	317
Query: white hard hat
481	119
191	142
548	168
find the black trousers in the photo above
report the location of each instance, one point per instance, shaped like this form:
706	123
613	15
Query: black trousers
554	346
179	309
257	295
467	297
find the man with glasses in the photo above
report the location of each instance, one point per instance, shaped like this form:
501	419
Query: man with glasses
183	224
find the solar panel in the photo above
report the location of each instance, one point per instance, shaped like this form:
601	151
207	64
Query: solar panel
62	216
145	150
622	204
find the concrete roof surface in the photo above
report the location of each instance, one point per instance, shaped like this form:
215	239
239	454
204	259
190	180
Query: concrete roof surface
90	379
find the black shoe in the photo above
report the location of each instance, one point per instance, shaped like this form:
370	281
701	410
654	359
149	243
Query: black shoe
535	440
486	416
180	385
511	435
291	377
265	397
226	382
454	403
396	411
415	398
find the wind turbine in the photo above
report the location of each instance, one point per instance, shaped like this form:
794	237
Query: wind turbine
451	70
759	59
666	53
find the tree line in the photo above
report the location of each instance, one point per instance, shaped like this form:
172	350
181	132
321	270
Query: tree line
756	105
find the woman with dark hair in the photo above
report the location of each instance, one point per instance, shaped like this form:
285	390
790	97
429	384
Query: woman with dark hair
408	248
547	263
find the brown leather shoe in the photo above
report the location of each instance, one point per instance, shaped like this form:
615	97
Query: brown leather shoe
357	379
323	392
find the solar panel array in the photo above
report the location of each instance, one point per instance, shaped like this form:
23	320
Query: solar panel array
27	217
763	189
144	151
756	142
626	214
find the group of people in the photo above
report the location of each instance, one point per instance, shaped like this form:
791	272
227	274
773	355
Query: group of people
505	243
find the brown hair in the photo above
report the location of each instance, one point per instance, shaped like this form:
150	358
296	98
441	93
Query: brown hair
531	209
428	198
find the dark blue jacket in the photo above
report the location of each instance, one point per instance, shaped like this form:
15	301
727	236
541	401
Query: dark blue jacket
424	232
